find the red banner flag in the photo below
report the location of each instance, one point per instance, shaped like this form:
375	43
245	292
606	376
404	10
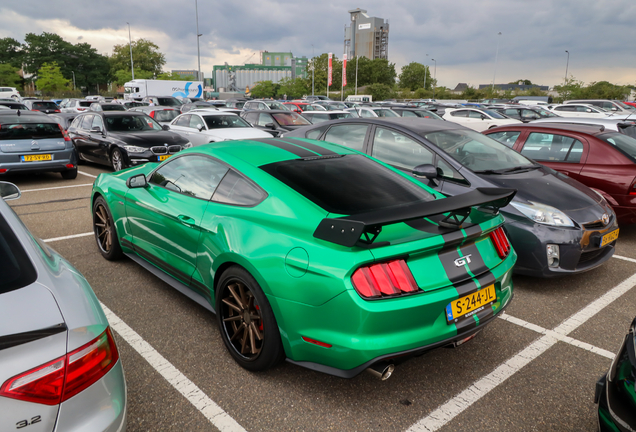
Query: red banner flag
344	70
329	71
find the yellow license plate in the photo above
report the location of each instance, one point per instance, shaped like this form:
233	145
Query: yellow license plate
164	157
608	238
470	304
35	158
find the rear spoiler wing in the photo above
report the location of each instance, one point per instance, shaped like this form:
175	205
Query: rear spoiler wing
347	230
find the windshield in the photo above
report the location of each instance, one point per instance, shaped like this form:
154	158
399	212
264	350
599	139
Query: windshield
476	151
545	113
624	143
623	105
168	101
494	114
131	124
349	184
384	112
427	114
290	119
224	121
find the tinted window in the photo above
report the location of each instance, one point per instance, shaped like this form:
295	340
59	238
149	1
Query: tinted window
624	143
476	151
349	184
192	175
290	119
315	133
184	121
507	137
397	149
45	105
348	135
460	113
16	270
552	148
87	122
513	113
97	121
168	101
408	114
11	131
224	121
135	123
113	108
565	108
236	189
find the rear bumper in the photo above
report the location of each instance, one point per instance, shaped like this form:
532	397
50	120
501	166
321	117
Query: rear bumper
13	165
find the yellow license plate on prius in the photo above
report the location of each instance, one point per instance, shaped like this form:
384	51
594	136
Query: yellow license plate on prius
608	238
164	157
37	157
469	305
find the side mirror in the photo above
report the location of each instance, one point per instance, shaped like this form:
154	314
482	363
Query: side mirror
199	127
138	181
588	110
483	117
425	170
9	191
96	129
270	126
165	127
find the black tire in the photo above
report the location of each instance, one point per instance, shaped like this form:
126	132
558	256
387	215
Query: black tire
69	174
248	327
105	232
117	160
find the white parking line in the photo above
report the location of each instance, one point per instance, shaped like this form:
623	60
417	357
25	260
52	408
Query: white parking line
179	381
455	406
58	187
86	174
54	239
625	258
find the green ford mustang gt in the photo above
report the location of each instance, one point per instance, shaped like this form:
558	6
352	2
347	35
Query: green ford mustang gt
311	251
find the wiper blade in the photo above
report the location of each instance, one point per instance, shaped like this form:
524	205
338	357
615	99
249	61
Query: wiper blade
522	168
488	172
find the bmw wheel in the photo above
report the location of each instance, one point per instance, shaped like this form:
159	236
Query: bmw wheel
117	160
105	232
246	320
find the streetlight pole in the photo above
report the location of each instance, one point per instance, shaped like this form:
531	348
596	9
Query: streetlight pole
73	72
496	57
356	74
313	68
132	66
434	78
196	7
425	73
567	63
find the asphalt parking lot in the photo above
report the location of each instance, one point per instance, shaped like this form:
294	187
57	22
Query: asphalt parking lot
533	369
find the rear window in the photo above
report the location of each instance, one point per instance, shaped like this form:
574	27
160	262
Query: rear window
290	119
348	185
16	131
16	270
13	105
168	101
44	105
113	108
165	115
624	143
85	104
628	129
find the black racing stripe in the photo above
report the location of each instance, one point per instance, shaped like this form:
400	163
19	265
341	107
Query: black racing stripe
311	146
476	265
466	324
472	232
485	314
294	149
454	273
465	288
451	236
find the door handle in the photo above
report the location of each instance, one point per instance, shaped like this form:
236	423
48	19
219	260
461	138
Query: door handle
186	220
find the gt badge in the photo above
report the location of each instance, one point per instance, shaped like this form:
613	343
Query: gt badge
461	261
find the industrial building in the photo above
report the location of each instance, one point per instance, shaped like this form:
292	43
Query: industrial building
366	36
274	67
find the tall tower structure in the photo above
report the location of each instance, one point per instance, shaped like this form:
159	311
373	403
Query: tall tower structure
366	36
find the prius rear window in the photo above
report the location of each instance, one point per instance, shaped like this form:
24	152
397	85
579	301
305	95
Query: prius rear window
349	184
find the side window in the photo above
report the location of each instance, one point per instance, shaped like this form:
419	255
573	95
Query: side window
319	117
251	118
87	122
565	108
474	114
529	114
512	113
76	123
348	135
552	148
195	121
507	137
97	121
264	119
193	175
460	113
315	133
581	108
236	189
366	113
408	114
399	150
183	121
446	171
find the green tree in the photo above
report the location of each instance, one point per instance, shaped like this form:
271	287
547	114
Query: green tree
171	76
376	71
380	91
522	82
9	76
50	79
294	88
146	57
264	89
123	76
413	76
11	52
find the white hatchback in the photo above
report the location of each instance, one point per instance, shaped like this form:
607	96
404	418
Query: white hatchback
9	92
477	119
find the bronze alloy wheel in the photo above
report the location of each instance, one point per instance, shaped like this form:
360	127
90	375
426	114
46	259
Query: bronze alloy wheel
242	320
105	232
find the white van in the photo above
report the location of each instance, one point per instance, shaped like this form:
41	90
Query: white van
359	98
9	92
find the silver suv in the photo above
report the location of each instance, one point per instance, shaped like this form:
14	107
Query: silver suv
608	105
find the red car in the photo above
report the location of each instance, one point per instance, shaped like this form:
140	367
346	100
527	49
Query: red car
630	103
299	107
605	161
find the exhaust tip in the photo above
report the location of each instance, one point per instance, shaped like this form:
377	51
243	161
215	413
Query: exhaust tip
382	370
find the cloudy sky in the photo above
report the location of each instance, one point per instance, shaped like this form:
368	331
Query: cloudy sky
461	35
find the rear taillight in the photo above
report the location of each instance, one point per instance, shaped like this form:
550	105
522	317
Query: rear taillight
61	379
385	279
500	241
632	188
81	109
64	133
